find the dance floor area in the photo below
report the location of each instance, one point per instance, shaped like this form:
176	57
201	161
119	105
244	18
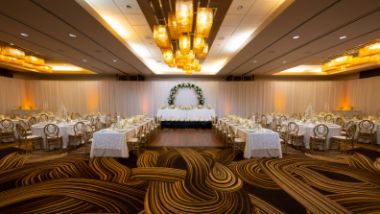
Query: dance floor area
166	179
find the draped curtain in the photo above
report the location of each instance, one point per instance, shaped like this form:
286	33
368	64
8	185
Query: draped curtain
242	98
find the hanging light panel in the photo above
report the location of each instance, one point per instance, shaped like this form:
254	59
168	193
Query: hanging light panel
160	36
204	21
184	11
184	43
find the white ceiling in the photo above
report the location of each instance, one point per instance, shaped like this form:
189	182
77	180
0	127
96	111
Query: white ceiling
319	23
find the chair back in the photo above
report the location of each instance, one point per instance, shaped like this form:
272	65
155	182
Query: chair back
321	131
329	118
51	130
80	128
21	131
32	120
44	117
7	124
293	128
366	126
264	120
351	131
24	124
340	121
283	118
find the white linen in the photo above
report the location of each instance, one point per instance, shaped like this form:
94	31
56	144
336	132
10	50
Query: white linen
113	142
259	143
196	114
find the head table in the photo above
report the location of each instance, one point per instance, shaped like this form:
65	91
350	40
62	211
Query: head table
195	114
258	143
112	142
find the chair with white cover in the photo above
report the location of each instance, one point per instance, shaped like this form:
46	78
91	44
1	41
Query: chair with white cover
367	133
29	142
336	142
7	134
294	137
52	137
320	137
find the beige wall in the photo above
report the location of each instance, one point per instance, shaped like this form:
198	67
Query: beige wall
242	98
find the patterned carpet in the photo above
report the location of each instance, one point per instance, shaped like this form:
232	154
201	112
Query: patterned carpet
185	180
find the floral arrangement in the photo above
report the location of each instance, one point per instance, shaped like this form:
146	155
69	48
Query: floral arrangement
197	90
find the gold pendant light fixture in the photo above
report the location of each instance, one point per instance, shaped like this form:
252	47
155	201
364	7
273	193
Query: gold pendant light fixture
189	42
18	58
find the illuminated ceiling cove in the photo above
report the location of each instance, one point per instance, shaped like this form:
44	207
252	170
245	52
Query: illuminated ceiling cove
125	19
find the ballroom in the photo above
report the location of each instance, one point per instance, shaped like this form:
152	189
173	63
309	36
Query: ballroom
190	106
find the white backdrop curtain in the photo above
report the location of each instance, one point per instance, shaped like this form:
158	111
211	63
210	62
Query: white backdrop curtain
242	98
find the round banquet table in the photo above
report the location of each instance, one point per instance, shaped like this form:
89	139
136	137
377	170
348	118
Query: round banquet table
307	129
65	129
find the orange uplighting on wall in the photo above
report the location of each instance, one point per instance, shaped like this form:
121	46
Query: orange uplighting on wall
345	104
92	102
27	104
144	105
279	101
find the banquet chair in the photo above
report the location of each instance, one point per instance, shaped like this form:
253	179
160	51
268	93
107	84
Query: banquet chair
294	137
283	133
107	121
237	143
340	121
44	117
52	137
276	124
348	138
80	135
346	126
134	143
328	118
367	133
264	121
7	133
320	137
32	121
283	119
29	142
26	126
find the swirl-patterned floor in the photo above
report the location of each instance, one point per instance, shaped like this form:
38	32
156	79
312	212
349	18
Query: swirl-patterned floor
190	181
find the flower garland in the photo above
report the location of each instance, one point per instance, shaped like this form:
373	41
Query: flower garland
198	91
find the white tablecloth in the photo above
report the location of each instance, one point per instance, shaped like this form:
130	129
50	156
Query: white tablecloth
307	129
188	115
259	143
113	142
65	129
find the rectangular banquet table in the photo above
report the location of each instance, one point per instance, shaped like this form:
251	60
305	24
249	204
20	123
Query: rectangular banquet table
259	143
196	114
113	142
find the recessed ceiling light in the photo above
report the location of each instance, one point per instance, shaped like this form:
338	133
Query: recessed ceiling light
129	6
84	60
254	61
115	60
240	7
72	35
24	34
296	37
11	44
283	62
343	37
